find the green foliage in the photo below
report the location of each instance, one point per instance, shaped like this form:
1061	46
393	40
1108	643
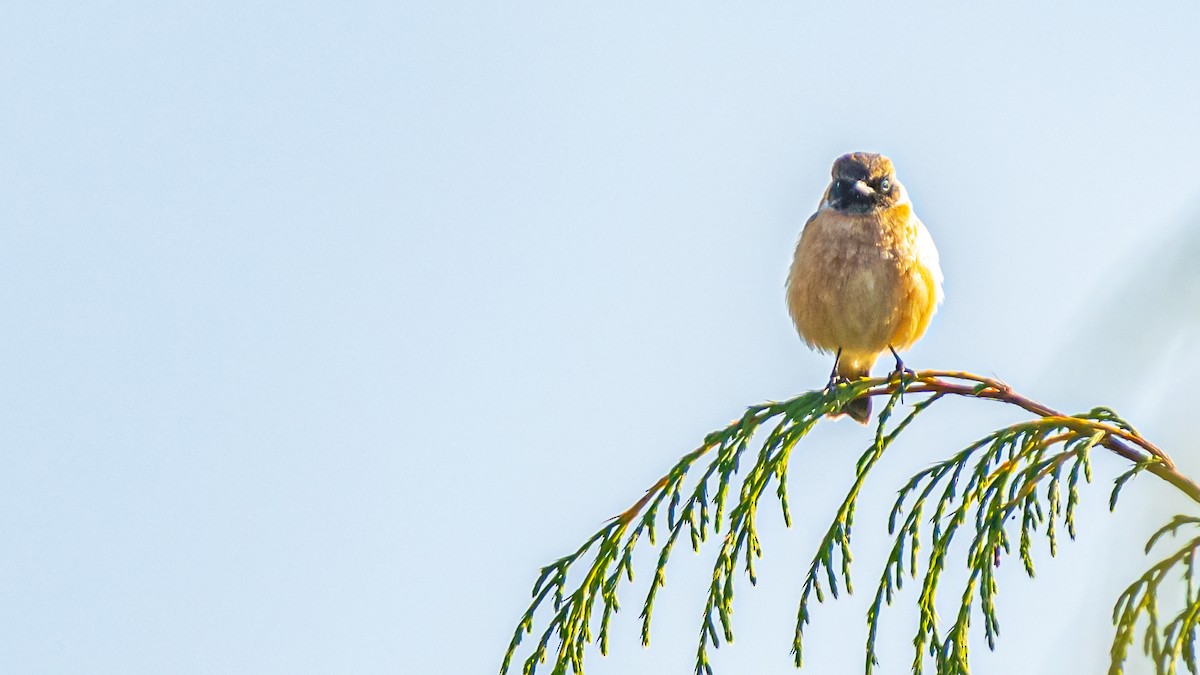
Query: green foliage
1167	644
1000	491
702	511
1015	471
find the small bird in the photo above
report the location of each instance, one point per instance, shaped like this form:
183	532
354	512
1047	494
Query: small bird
865	277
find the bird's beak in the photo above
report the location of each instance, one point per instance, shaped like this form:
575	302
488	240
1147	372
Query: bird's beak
862	188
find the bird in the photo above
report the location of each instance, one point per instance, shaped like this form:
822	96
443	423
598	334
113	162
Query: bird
865	277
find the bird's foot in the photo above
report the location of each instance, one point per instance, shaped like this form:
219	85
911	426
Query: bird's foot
902	373
834	381
834	378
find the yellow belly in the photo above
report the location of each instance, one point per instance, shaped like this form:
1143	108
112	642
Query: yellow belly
863	283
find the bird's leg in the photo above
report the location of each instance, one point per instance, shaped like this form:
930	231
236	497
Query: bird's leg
833	374
901	372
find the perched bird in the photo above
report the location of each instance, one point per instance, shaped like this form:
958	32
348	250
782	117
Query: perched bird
865	278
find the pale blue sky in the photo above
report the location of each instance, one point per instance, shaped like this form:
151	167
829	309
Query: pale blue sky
325	324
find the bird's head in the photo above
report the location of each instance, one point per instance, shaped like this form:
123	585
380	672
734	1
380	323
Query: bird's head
863	182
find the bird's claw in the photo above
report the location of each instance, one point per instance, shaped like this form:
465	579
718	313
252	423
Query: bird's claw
901	371
834	381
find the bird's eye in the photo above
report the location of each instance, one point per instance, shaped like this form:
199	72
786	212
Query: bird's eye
885	185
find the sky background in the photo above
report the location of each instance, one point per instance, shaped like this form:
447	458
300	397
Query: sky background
325	325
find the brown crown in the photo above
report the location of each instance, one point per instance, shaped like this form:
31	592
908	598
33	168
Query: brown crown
865	166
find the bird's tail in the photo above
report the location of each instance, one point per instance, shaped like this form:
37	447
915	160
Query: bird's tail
859	409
